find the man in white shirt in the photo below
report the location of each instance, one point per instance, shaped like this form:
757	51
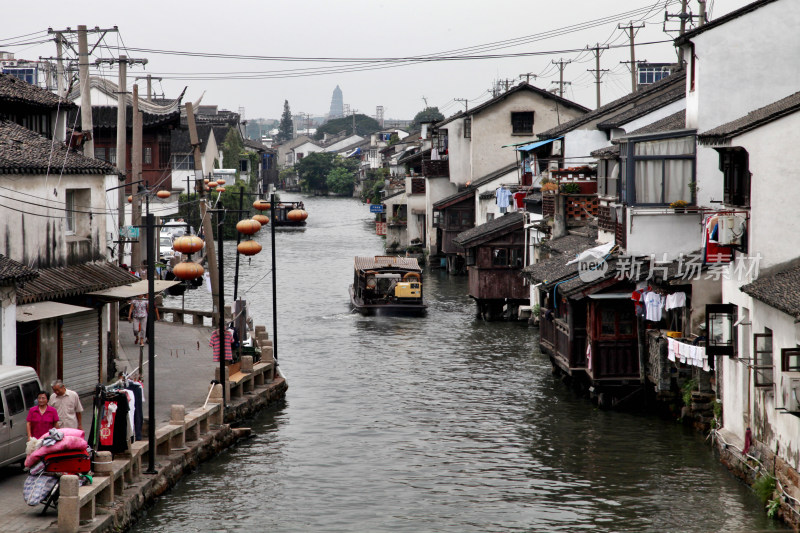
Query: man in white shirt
68	404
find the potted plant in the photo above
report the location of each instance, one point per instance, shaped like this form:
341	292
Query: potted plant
679	205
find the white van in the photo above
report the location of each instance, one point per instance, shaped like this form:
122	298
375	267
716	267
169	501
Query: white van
19	386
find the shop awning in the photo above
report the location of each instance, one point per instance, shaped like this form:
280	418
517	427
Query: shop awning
124	292
42	310
531	146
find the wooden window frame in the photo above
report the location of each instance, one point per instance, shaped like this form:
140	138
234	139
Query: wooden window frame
786	353
519	125
758	368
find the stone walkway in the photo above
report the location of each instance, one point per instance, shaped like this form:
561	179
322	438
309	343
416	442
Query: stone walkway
184	369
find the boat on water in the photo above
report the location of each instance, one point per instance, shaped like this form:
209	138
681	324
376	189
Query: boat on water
289	214
387	284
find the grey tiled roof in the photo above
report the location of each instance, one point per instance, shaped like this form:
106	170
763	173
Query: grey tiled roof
676	79
637	111
25	152
501	224
13	272
780	290
62	282
105	117
676	121
752	120
607	152
13	89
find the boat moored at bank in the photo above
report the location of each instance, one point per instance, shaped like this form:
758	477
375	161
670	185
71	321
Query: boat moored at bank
387	285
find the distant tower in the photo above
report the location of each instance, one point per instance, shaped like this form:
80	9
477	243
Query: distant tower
337	104
379	115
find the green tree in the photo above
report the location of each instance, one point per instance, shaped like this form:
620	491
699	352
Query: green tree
313	170
426	115
364	126
340	181
374	184
231	149
286	126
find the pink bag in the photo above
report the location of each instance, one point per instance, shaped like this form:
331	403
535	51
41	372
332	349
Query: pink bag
69	442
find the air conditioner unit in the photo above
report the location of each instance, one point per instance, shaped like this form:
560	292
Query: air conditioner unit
10	64
556	147
790	391
730	229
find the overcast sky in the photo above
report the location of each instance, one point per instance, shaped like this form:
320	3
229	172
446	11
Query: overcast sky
360	29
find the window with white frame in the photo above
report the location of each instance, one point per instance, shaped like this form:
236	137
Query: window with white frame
659	171
608	178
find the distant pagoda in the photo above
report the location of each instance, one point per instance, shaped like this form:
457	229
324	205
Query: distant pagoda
337	104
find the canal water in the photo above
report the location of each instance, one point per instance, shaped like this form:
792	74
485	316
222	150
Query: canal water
443	423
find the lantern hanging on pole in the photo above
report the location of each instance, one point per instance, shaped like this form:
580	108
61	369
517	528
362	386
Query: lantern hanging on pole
297	215
248	227
212	184
261	205
261	219
130	199
163	194
249	247
188	244
220	189
187	270
220	181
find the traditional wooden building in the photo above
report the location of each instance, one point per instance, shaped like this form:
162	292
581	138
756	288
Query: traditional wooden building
452	216
495	254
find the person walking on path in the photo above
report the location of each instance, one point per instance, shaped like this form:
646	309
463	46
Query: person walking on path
41	418
137	315
68	404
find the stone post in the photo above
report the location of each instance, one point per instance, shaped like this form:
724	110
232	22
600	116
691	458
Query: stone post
68	505
177	417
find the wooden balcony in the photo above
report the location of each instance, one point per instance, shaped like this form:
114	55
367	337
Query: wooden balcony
439	168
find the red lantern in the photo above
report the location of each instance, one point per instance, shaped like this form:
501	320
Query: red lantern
212	184
261	219
220	189
163	194
261	205
206	181
297	215
248	227
130	199
220	181
188	244
249	247
188	270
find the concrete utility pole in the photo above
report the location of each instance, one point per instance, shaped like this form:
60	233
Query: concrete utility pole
702	15
205	217
598	72
466	103
62	90
149	79
354	111
630	27
136	175
122	129
528	76
561	64
86	100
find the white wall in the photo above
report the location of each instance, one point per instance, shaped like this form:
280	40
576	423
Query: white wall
435	190
32	233
484	207
8	326
460	153
578	144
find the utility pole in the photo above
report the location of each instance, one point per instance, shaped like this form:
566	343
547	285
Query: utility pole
136	175
466	102
528	76
598	72
684	17
61	91
86	100
205	220
630	27
561	64
702	19
149	79
354	111
122	130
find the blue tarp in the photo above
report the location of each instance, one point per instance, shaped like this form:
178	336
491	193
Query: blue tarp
531	146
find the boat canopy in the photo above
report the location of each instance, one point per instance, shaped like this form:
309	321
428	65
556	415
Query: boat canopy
387	261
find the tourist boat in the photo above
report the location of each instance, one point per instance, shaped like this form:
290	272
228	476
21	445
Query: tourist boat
387	285
289	214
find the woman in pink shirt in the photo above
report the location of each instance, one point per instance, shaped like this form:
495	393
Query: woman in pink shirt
41	418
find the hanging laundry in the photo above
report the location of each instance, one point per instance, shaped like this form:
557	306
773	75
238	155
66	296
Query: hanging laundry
653	302
675	301
502	196
214	343
519	199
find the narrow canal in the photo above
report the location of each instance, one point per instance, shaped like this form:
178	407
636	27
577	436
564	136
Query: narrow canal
442	423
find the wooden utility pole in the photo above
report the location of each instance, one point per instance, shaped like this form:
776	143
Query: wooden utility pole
136	175
561	64
630	27
205	217
86	100
598	72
